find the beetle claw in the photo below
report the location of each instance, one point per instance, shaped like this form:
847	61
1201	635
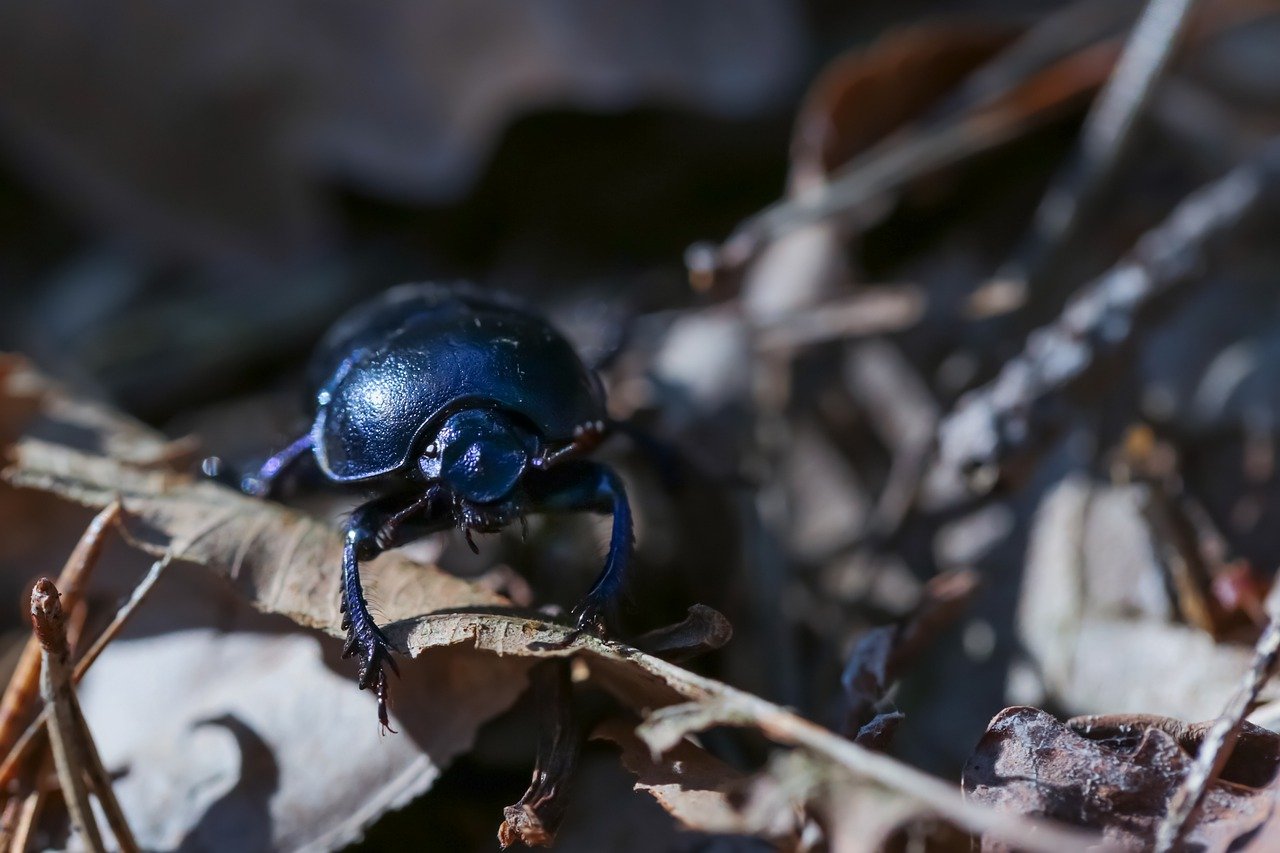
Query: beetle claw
374	653
589	618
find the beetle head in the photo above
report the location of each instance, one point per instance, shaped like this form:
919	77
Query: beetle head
478	454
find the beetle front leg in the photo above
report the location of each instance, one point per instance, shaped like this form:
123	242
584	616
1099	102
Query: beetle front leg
596	488
371	529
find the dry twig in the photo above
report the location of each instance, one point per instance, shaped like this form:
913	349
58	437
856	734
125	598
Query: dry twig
19	696
33	735
1018	410
1221	739
1108	129
55	686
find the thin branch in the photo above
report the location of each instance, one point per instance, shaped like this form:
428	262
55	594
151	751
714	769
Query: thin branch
59	696
123	615
17	706
1021	408
1108	130
100	782
1061	60
27	816
1221	739
870	311
34	734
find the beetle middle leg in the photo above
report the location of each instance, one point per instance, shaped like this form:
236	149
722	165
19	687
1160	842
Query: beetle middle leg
582	485
373	528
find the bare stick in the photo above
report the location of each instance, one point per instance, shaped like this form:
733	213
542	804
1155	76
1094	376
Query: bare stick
1108	129
870	311
117	623
34	733
55	686
1221	738
17	706
10	817
100	782
1021	407
27	820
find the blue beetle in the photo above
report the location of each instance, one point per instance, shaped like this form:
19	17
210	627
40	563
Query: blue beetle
453	408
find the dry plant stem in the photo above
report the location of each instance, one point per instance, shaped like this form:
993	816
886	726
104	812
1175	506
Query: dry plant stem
19	697
871	311
1221	739
10	819
1020	409
1108	129
31	807
1044	75
100	782
34	733
59	697
126	611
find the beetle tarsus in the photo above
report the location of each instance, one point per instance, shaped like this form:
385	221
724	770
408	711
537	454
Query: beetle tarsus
364	639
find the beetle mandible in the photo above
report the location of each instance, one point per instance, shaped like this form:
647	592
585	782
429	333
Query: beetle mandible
453	408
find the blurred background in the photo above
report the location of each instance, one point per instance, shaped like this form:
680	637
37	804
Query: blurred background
190	193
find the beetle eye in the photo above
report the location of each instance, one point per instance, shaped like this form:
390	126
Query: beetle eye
431	450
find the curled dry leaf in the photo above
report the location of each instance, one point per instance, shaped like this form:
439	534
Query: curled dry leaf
1116	775
884	653
703	792
865	95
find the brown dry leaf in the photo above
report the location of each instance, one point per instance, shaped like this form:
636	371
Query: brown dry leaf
866	94
1117	775
700	790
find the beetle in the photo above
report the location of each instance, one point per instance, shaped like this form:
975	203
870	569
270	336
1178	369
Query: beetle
452	408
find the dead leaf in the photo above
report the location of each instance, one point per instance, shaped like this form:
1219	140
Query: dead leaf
700	790
1028	763
1092	586
864	95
